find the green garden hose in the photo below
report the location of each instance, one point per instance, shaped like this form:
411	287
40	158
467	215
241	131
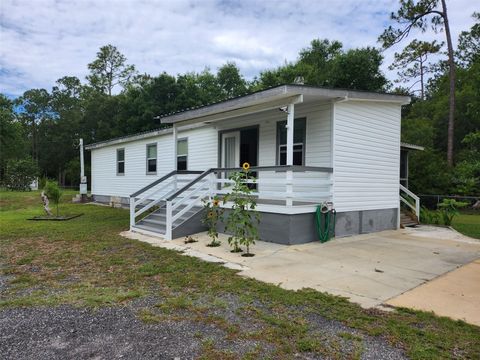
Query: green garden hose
323	220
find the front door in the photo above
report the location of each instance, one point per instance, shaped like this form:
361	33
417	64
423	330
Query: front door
231	149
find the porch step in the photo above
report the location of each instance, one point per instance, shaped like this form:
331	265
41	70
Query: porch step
157	221
407	219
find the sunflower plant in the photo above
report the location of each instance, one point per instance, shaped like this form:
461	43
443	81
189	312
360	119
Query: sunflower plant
243	219
213	213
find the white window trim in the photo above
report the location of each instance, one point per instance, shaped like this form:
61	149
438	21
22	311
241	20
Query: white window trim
147	158
120	161
178	155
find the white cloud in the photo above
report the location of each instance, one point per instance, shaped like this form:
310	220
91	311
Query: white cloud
43	40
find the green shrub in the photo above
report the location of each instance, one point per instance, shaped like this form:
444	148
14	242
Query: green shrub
428	216
448	209
20	174
53	193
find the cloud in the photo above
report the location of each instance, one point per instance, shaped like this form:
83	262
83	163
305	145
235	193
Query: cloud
43	40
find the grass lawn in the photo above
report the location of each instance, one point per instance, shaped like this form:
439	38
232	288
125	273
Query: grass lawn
468	224
84	262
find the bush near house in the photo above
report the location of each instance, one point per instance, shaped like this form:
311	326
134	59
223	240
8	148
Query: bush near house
20	174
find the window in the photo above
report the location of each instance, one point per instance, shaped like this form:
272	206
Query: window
299	133
182	154
151	158
120	161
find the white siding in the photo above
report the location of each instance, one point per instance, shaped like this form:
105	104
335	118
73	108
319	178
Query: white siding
318	139
202	155
366	155
203	149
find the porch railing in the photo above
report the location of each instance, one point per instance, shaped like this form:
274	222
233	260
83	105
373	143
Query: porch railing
286	186
411	200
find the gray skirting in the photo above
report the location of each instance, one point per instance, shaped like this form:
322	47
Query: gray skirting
297	228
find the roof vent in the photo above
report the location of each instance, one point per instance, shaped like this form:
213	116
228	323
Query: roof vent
299	80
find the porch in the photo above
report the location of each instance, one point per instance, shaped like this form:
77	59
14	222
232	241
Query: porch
172	205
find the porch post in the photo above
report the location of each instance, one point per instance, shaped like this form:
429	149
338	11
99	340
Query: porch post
289	173
175	138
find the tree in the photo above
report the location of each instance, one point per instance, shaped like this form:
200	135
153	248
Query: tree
34	110
413	63
469	43
415	15
324	63
109	69
12	143
231	81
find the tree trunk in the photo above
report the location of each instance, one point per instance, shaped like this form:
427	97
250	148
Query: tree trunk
422	91
451	110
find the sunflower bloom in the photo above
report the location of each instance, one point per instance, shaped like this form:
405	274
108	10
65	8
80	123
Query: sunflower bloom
246	166
210	214
216	202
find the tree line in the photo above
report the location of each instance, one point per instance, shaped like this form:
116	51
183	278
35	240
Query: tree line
41	128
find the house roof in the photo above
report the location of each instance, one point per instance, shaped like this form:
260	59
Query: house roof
129	138
411	146
254	102
285	93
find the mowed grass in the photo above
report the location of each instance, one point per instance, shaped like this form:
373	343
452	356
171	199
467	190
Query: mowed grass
84	262
468	224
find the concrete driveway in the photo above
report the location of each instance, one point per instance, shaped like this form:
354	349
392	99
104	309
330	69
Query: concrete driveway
368	269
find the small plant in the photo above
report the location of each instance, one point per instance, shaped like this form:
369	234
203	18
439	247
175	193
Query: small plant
449	209
428	216
243	219
53	193
189	239
212	214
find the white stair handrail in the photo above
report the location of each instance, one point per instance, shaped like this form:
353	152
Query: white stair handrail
414	197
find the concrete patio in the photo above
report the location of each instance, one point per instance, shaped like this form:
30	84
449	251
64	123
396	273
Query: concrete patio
368	269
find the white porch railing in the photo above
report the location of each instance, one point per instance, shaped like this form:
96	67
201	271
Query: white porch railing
411	200
275	186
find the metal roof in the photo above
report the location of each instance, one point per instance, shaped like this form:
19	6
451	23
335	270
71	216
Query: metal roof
278	92
128	138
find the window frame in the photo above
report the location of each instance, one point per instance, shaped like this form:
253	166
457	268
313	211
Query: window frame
179	155
147	158
279	145
119	161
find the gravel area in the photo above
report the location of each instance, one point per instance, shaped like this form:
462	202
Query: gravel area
67	332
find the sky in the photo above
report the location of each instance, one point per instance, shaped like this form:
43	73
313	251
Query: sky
44	40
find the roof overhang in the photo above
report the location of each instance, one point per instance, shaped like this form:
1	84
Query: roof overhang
408	146
272	98
129	138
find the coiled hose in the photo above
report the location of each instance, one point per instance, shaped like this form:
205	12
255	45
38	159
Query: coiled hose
325	221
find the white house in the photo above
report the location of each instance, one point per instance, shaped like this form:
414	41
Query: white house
307	145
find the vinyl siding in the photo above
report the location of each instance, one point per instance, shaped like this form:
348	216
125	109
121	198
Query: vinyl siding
202	154
203	150
366	155
317	145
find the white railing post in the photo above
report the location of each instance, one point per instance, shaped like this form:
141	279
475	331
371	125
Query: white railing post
132	212
212	186
417	208
168	224
289	188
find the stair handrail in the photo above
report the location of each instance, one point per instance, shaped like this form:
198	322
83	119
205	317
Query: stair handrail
133	202
414	197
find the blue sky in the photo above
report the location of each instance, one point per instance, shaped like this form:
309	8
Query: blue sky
43	40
